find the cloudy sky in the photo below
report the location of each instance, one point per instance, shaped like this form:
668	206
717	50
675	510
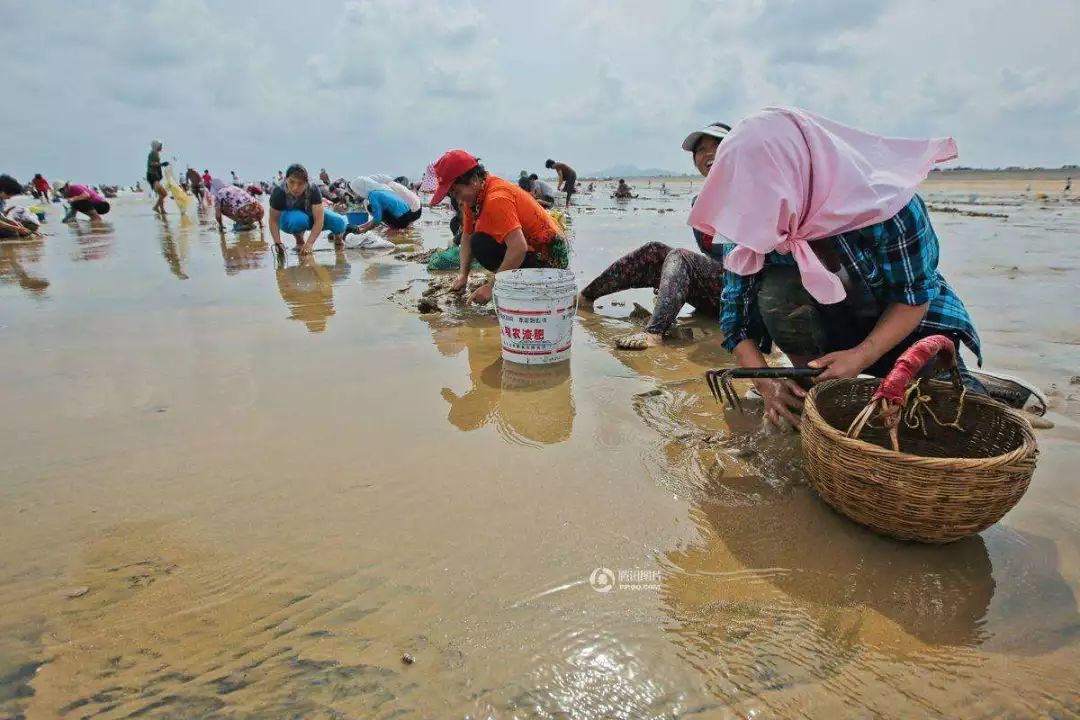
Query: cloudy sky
387	85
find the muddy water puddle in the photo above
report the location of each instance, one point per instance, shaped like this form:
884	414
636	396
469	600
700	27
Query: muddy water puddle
243	487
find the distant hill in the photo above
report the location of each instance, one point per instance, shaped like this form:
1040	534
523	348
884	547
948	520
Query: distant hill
630	171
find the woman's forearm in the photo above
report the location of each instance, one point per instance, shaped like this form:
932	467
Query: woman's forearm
77	198
275	229
896	323
748	355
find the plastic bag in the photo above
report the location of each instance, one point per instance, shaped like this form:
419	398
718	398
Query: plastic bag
449	260
182	198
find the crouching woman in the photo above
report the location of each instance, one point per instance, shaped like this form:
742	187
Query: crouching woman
297	207
503	227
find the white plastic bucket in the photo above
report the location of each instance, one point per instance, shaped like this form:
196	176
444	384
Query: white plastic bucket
536	310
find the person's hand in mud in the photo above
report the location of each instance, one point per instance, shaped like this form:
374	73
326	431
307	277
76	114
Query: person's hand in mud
459	283
482	294
783	402
13	226
783	398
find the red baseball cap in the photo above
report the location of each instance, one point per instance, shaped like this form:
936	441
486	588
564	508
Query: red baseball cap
452	165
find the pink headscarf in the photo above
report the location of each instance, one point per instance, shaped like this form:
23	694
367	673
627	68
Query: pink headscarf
783	177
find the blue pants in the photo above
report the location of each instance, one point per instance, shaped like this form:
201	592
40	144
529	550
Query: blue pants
295	221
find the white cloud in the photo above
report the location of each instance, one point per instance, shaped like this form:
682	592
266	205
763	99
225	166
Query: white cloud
369	85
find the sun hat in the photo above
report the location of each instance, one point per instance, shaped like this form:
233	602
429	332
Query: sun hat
717	130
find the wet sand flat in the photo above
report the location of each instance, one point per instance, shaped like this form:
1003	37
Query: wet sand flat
237	489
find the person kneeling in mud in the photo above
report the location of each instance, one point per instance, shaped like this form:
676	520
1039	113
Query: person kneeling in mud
297	207
236	204
623	191
827	249
503	227
678	275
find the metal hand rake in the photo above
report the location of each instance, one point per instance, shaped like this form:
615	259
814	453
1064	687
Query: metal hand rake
719	381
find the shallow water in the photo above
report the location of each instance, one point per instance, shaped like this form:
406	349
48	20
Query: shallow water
238	489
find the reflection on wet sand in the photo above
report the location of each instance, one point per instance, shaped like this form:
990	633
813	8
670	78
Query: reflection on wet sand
307	287
783	595
173	254
13	255
409	236
527	404
247	252
788	539
95	240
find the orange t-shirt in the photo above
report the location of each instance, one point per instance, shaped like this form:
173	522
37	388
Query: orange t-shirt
505	207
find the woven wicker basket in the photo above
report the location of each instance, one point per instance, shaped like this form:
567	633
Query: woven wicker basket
945	484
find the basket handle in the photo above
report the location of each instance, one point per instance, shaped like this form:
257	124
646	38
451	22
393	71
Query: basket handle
912	362
889	396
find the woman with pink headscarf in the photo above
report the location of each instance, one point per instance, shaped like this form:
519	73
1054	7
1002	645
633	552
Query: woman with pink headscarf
827	249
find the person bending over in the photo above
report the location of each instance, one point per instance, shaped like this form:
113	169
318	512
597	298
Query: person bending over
827	249
237	204
567	178
384	206
83	199
502	226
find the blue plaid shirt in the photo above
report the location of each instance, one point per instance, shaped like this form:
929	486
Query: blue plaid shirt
891	262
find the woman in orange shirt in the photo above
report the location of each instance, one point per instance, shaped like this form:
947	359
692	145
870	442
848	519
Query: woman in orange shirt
502	227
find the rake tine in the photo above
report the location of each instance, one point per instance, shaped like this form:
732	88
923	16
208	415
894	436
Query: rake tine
722	389
709	382
713	379
729	390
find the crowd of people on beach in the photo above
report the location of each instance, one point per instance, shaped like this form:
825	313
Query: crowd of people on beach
298	204
808	235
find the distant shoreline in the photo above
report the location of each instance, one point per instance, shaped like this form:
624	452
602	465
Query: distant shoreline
1006	174
937	176
950	174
